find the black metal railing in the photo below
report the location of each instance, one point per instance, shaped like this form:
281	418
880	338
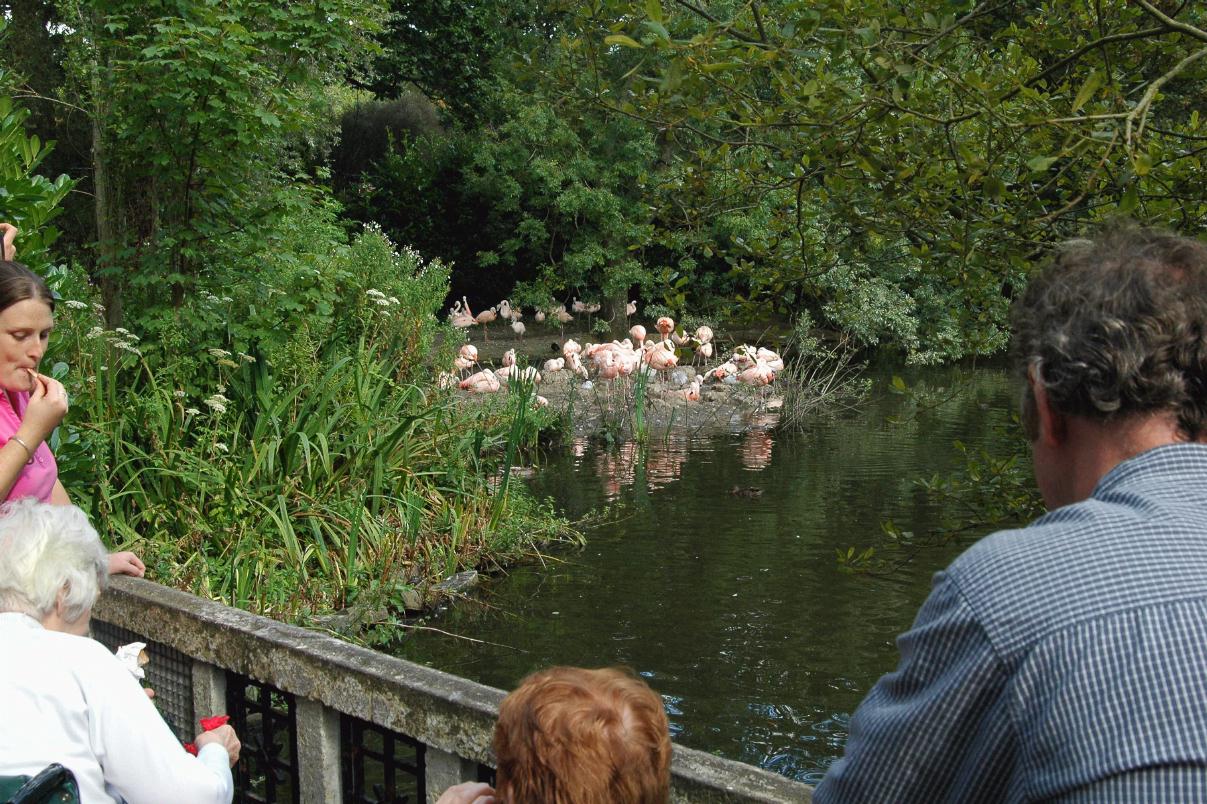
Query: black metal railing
380	766
265	718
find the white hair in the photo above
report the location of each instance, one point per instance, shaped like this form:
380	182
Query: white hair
47	551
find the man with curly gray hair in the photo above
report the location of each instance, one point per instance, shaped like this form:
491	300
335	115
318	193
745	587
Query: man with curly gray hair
1068	660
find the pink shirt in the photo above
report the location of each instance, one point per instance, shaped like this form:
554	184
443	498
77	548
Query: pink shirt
38	477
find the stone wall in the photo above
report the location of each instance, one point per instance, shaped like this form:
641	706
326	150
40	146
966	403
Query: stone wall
452	716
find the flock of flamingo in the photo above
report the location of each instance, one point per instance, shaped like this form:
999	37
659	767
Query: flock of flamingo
637	354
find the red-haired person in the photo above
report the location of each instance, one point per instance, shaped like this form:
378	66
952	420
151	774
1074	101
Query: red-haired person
568	735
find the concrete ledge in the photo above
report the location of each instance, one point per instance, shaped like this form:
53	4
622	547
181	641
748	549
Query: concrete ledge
446	712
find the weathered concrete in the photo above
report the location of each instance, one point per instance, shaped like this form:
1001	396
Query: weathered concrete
447	713
442	770
318	753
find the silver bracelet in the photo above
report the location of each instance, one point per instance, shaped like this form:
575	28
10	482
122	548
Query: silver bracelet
28	451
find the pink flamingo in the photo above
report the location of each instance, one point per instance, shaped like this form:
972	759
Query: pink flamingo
637	333
665	326
485	317
460	316
484	382
466	358
770	358
758	375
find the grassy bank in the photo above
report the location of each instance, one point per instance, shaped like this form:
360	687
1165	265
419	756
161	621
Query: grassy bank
298	474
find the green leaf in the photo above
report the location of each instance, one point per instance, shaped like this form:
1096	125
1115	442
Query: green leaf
621	39
1041	163
1087	90
653	10
1144	163
993	187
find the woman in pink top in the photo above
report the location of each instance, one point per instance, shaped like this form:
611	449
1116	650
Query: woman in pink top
32	404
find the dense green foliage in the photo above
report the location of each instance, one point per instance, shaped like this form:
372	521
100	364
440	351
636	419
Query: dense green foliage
887	171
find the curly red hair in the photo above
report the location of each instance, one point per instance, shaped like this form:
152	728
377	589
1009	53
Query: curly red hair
568	734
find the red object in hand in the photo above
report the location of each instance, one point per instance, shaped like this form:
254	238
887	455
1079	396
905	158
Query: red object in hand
207	724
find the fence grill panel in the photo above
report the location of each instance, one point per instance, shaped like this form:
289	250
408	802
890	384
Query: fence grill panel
265	718
380	766
169	673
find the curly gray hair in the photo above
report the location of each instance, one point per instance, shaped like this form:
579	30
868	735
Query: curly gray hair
47	551
1117	326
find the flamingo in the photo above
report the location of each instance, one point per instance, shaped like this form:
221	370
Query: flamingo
665	326
460	316
539	315
630	309
485	317
556	364
704	348
689	394
466	358
570	347
770	358
661	357
518	328
637	333
758	375
484	382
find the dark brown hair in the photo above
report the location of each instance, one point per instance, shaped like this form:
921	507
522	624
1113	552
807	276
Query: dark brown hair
18	283
1116	326
568	735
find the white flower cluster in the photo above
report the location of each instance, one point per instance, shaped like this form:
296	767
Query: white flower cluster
76	305
217	403
381	299
119	338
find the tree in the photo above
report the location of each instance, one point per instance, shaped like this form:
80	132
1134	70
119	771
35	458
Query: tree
923	158
192	106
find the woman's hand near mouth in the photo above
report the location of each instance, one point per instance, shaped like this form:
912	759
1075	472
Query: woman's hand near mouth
46	409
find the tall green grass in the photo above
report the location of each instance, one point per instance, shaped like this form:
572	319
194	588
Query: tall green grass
287	493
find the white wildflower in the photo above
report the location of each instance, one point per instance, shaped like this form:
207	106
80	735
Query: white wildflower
227	299
394	300
221	447
94	333
382	302
374	293
217	403
76	305
246	358
100	308
192	412
216	352
178	394
122	331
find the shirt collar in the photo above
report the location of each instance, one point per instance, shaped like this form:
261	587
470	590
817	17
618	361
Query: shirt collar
1187	461
19	618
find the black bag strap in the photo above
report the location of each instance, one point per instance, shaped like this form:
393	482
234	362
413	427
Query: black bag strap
40	788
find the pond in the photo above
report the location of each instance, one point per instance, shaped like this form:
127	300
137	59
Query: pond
733	606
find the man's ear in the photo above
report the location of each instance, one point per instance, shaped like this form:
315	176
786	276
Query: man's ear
1051	425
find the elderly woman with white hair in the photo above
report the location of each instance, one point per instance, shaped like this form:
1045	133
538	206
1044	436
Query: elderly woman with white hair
63	697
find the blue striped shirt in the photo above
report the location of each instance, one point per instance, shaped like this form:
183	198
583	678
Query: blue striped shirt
1064	661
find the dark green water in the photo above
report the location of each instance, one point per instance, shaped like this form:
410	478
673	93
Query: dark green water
733	608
